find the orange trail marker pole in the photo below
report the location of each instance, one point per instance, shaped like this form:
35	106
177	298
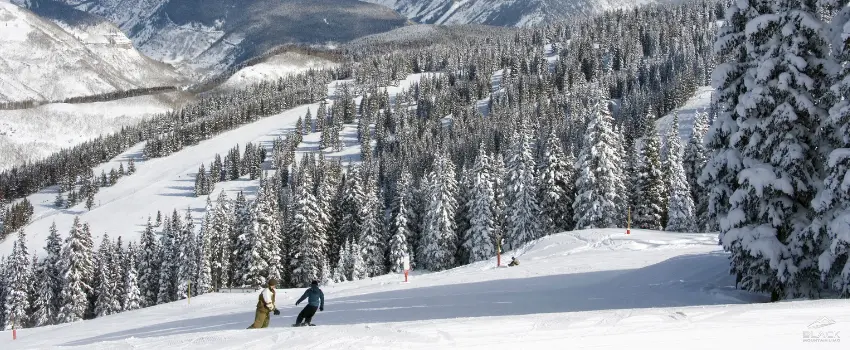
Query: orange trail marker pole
629	222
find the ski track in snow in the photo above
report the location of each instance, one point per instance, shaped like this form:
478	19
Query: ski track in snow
597	289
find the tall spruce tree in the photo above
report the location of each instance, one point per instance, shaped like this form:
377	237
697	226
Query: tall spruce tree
680	212
556	187
439	240
187	258
309	252
649	210
596	195
132	297
480	241
149	263
770	207
76	272
17	285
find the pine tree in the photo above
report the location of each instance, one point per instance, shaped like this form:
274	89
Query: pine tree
76	272
201	182
243	230
481	239
765	229
680	217
832	203
59	202
132	297
693	161
648	213
168	264
522	222
439	241
596	195
373	241
556	187
45	299
131	167
359	270
106	303
309	252
264	240
149	264
187	258
204	250
52	281
17	285
220	242
352	206
117	274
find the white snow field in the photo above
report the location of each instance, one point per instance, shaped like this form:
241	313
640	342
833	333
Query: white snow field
168	183
592	289
274	68
32	134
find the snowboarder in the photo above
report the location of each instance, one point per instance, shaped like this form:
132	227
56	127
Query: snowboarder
265	305
315	300
514	262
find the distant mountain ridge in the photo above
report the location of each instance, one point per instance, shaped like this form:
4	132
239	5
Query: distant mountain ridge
500	12
208	36
45	58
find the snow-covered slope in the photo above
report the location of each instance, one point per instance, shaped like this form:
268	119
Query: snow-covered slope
598	289
168	183
209	36
699	102
32	134
500	12
274	68
79	55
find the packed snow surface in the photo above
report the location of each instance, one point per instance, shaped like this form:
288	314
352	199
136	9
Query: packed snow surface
599	289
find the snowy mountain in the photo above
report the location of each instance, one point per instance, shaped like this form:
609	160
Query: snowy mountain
53	57
212	35
597	289
500	12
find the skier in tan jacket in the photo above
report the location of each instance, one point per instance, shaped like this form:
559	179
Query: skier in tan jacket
265	305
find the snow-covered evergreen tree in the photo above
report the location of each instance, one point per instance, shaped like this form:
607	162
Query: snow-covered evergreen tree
309	254
187	259
439	240
680	212
770	207
372	238
556	188
648	211
694	161
17	285
222	223
168	264
481	241
522	219
107	301
76	272
149	263
596	196
264	240
204	248
51	285
832	203
132	297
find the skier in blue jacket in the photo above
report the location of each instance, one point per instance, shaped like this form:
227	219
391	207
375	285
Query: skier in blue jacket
315	300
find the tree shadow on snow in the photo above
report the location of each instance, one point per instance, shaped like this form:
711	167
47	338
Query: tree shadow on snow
690	280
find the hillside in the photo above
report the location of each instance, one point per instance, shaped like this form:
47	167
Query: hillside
597	289
207	37
167	183
501	12
49	58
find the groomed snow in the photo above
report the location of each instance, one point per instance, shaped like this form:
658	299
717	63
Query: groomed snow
699	102
592	289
